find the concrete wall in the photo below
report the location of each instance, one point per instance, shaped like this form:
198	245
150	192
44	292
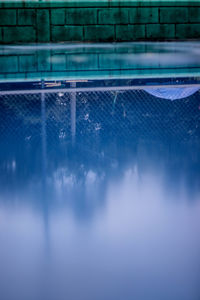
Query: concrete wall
49	21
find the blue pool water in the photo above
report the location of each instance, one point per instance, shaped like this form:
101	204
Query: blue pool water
100	189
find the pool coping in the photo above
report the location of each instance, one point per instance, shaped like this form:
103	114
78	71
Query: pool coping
95	3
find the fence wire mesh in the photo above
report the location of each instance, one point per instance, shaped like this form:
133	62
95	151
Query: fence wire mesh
96	130
128	114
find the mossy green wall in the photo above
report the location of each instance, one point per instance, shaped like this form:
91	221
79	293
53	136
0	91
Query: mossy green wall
99	21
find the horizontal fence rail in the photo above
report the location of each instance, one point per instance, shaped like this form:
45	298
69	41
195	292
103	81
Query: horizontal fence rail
97	89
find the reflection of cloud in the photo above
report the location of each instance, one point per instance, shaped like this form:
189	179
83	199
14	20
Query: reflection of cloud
150	59
79	58
91	178
172	93
62	180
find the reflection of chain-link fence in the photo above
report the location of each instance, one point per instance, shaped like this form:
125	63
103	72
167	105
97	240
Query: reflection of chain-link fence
126	114
109	129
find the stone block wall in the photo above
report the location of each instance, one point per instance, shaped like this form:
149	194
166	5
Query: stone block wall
98	21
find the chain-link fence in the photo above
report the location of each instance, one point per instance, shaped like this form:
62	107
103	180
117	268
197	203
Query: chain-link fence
108	114
94	130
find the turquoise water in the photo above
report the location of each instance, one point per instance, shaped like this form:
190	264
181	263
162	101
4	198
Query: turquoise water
99	61
99	189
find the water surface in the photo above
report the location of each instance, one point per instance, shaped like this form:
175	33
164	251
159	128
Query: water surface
99	196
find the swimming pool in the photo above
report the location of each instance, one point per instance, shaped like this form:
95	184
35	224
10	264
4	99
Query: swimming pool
100	172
